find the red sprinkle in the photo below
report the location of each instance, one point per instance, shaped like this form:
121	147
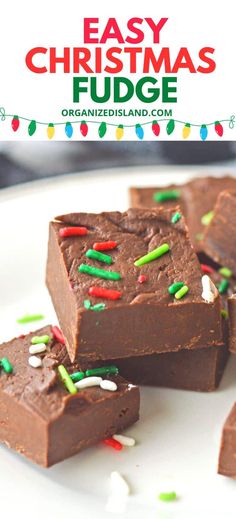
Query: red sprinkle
105	245
142	278
206	269
73	231
58	334
104	292
113	443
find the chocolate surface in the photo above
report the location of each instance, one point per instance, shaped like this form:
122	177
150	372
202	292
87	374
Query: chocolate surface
42	420
227	456
195	370
147	319
232	323
197	198
219	236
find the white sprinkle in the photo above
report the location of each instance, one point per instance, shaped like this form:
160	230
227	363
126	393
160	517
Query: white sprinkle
88	382
124	440
37	348
109	385
35	362
209	290
119	485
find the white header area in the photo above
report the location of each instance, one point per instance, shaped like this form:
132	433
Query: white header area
76	94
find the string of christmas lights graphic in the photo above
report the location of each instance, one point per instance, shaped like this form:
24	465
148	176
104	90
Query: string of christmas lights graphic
170	126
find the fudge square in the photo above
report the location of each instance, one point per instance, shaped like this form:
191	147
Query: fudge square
40	418
220	235
227	456
142	296
196	198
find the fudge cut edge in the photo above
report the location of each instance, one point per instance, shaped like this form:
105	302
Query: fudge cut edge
119	332
227	455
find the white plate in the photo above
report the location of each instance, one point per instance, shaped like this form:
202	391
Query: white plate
178	434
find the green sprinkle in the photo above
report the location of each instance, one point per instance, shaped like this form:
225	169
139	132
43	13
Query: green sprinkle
172	289
30	318
98	308
176	217
93	254
66	379
206	218
156	253
223	286
106	370
167	496
165	196
181	293
6	365
40	339
224	271
199	236
99	273
79	375
224	313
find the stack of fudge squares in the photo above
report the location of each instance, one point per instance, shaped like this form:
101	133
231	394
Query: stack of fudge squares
142	298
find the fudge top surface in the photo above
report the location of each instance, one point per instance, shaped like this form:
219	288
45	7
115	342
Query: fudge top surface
196	198
40	389
137	232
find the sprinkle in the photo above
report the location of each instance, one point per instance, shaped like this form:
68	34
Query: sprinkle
206	218
79	375
156	253
65	377
106	370
142	278
181	293
165	196
35	362
37	348
99	273
224	271
176	217
126	441
224	313
30	318
104	292
88	382
172	289
209	290
167	496
99	256
105	245
113	443
206	269
6	365
199	236
38	340
95	308
223	286
57	334
119	485
108	385
73	231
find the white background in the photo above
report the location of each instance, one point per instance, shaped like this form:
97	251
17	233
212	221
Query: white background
202	98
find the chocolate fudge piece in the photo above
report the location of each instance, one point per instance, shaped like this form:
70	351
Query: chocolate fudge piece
227	457
197	198
220	234
146	319
195	370
40	419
